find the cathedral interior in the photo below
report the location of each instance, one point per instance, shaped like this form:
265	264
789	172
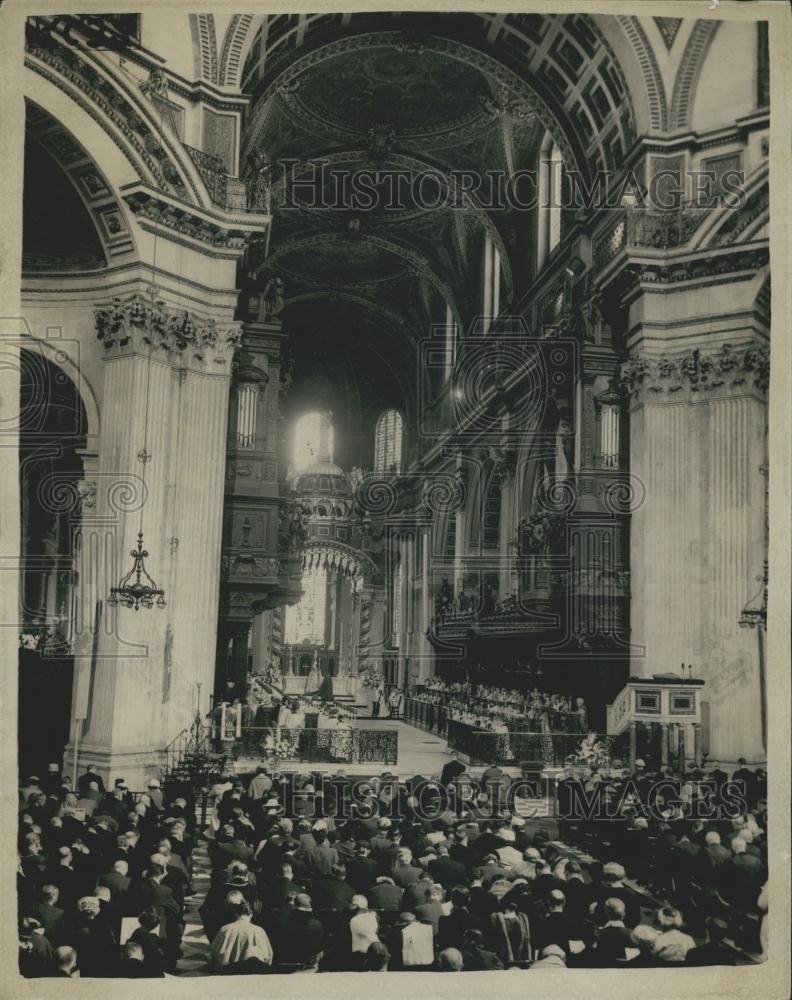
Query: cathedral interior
335	337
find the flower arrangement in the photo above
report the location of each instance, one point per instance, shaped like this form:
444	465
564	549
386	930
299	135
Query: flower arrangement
275	748
371	678
591	753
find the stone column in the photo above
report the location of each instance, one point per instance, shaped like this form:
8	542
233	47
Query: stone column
698	530
262	635
164	403
506	581
239	657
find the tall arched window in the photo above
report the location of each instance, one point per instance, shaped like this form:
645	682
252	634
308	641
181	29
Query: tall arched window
388	442
490	535
549	204
313	440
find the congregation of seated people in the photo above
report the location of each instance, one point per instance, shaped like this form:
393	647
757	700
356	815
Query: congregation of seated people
311	874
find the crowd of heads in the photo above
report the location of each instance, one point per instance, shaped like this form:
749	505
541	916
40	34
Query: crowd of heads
321	872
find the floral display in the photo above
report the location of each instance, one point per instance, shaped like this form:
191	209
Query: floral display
371	678
592	752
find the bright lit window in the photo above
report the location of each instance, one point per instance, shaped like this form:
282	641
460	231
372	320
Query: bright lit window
305	621
549	206
313	435
247	404
388	442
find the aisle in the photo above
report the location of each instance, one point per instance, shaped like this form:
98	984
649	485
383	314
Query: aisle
195	947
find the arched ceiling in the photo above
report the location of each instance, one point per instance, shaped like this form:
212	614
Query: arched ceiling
409	98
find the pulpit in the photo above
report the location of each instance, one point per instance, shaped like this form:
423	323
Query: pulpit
663	717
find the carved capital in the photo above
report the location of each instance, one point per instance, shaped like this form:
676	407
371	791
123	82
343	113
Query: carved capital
697	372
145	324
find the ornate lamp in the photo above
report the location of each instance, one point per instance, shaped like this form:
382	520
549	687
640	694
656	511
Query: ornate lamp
141	591
754	614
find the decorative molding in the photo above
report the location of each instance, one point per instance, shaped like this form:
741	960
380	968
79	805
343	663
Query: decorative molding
669	28
140	325
697	372
110	104
207	42
688	73
655	89
210	232
233	45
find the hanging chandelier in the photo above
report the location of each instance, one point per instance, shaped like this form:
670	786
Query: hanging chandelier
138	589
141	591
754	614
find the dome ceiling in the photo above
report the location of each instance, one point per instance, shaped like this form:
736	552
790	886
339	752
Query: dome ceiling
419	96
416	92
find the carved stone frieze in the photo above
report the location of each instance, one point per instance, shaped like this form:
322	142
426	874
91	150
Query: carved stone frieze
696	371
140	324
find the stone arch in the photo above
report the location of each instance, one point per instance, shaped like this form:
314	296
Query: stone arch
726	225
422	163
623	37
58	355
689	71
411	257
656	107
97	194
110	105
236	36
202	28
550	118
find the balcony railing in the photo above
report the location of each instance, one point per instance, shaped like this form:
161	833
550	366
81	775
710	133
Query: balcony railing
233	194
642	228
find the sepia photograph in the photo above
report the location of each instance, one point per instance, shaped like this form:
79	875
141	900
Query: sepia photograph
394	498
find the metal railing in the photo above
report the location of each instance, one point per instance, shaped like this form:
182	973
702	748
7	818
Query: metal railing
276	746
234	194
526	748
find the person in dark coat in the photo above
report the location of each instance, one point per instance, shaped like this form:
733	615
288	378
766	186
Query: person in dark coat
94	940
133	964
297	936
431	911
612	936
611	886
710	858
118	882
451	928
451	770
385	896
475	957
149	940
332	892
48	914
278	893
714	951
150	891
740	878
556	927
35	951
446	871
85	780
362	870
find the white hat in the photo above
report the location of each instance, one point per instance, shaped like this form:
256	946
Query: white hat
153	783
517	821
640	762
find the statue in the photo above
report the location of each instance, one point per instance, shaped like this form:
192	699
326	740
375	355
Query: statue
272	301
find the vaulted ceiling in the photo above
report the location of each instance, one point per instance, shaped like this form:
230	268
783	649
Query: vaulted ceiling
409	99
